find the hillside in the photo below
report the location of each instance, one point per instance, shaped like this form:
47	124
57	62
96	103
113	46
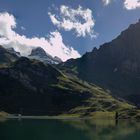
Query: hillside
114	66
33	88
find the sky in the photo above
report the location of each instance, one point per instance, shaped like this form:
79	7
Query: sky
64	28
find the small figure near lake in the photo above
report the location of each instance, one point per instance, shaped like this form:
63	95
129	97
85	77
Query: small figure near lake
116	117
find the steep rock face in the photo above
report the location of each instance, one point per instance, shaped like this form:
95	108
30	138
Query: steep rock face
12	51
6	56
115	65
40	54
32	74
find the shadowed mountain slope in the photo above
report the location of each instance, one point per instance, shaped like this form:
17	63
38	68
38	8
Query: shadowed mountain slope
114	66
33	88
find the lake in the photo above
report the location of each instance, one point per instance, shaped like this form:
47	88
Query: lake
69	130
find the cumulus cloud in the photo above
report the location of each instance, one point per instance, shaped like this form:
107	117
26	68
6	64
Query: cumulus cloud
106	2
128	4
80	20
131	4
53	44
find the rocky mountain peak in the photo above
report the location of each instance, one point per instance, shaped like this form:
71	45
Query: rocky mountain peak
40	54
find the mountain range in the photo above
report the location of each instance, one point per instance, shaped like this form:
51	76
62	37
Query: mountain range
104	80
114	66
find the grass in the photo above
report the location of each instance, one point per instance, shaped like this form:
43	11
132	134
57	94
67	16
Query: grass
3	114
100	105
95	101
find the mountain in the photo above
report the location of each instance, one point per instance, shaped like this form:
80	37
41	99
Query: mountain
12	51
6	56
39	54
31	87
114	66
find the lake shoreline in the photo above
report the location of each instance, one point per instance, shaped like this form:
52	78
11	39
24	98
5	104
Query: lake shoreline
61	118
95	115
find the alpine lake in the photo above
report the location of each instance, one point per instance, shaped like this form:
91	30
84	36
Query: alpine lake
69	129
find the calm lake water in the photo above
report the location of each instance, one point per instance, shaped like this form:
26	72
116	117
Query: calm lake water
69	130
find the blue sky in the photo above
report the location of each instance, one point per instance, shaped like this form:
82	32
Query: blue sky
33	20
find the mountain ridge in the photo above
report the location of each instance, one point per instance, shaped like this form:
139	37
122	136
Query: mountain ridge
101	80
114	66
41	89
40	54
6	56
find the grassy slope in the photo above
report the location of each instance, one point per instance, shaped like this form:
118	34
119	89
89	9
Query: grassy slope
98	103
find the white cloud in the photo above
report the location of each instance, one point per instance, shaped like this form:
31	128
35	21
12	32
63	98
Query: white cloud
53	45
131	4
106	2
80	20
128	4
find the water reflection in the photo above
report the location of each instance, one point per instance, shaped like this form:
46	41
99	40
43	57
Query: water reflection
109	129
70	130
